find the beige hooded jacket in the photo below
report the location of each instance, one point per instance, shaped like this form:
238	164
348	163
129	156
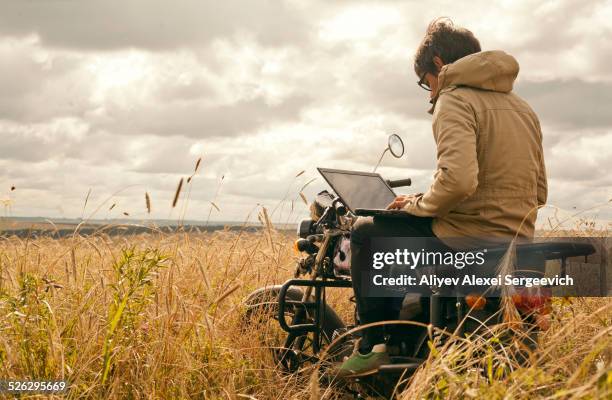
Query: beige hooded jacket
490	165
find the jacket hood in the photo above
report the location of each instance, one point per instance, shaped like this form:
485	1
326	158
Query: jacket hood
489	70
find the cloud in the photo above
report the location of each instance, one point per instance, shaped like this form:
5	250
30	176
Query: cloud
38	86
39	142
126	96
583	160
390	86
195	119
151	24
569	104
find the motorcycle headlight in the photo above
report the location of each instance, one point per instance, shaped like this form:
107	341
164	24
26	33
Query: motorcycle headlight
304	228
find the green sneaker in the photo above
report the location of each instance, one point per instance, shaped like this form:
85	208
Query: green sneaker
363	364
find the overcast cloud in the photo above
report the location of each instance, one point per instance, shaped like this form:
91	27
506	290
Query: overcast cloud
123	97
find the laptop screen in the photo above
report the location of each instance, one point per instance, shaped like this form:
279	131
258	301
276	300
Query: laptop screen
359	189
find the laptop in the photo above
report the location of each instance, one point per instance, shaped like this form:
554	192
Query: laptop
363	193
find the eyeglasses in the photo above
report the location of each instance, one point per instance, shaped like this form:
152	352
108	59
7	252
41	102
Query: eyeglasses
423	83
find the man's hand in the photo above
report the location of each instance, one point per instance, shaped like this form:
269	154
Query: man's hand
401	201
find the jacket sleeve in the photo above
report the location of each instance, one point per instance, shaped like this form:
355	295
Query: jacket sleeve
456	177
542	181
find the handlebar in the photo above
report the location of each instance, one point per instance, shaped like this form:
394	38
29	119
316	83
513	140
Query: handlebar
399	182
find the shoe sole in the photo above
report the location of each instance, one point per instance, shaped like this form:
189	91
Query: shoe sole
361	374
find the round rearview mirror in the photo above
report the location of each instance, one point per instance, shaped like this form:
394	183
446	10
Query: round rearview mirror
396	146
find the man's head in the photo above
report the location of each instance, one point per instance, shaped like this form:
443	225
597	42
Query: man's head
444	43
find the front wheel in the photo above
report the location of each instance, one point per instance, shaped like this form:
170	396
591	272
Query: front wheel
290	351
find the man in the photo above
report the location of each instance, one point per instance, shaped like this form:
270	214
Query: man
490	176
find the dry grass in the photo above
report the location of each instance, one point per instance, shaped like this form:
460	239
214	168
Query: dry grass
161	316
572	360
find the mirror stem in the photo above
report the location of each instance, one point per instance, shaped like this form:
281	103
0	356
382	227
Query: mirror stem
380	159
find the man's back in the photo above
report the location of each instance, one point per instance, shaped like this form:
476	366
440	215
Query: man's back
489	152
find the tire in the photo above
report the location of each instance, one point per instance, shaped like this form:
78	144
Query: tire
262	308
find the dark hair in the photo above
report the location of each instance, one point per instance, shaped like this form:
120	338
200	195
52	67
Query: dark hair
445	40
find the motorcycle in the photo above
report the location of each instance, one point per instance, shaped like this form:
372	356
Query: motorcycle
309	324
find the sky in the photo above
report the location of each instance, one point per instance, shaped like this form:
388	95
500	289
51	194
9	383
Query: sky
119	98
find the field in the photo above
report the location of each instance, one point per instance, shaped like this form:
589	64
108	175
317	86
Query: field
161	316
